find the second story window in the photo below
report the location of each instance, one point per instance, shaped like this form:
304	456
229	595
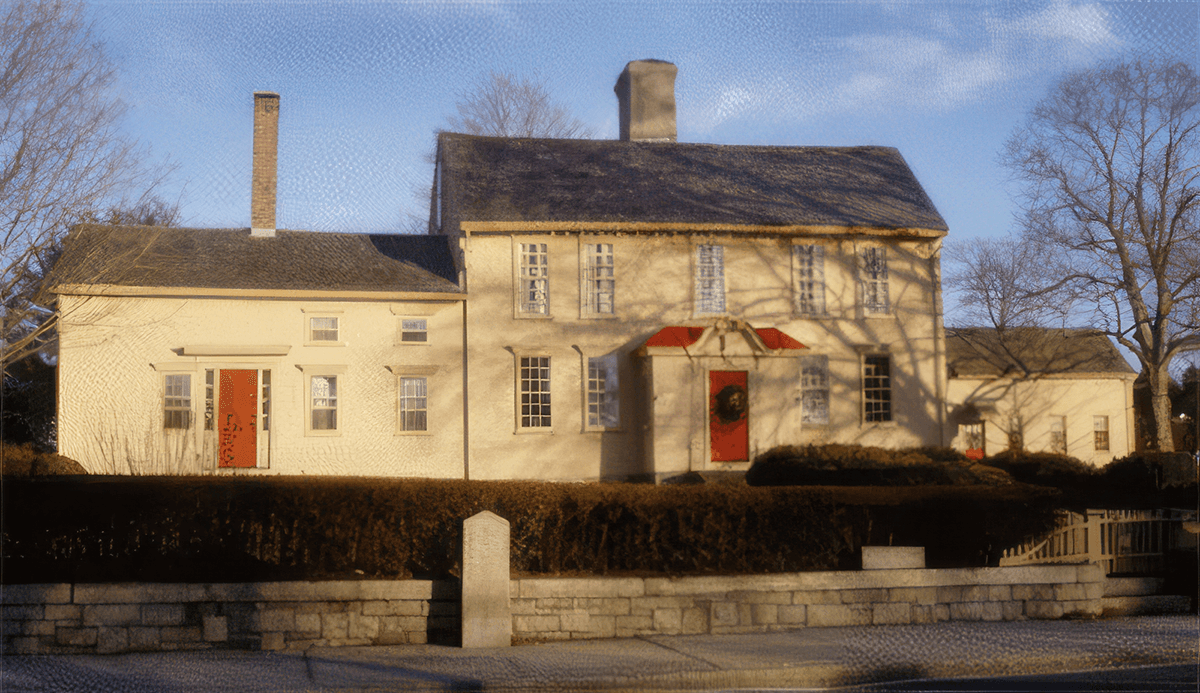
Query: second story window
814	390
808	263
599	279
873	274
414	331
322	329
710	280
1100	432
534	282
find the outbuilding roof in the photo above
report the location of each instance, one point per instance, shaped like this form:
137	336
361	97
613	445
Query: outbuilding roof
986	352
495	179
157	257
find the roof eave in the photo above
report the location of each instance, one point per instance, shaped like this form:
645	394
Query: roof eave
509	227
218	292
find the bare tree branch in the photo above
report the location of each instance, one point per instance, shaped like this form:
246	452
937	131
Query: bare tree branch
504	105
62	157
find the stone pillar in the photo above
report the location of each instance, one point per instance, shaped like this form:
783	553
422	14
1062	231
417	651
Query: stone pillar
486	615
264	169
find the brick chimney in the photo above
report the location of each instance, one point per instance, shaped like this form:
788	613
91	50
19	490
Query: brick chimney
646	98
264	174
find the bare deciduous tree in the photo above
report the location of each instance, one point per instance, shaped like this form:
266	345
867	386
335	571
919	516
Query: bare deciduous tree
61	155
504	105
1110	163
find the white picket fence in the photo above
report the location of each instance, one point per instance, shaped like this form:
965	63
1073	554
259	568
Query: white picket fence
1122	541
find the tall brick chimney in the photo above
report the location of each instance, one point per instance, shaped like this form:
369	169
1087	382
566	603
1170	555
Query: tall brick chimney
264	174
646	98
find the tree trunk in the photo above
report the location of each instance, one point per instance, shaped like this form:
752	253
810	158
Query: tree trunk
1160	404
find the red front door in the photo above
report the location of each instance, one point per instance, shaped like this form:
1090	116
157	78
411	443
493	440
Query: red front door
728	416
237	419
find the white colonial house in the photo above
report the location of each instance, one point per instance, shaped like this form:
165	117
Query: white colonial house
1046	390
581	309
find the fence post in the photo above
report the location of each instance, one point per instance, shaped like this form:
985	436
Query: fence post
486	614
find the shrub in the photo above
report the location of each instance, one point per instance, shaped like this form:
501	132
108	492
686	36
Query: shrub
1150	471
25	460
1044	468
855	465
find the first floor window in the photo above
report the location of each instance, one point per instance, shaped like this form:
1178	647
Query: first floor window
265	423
873	273
877	389
1100	431
534	282
414	404
535	391
599	279
808	262
209	391
973	440
1058	434
710	279
602	402
814	390
177	401
324	390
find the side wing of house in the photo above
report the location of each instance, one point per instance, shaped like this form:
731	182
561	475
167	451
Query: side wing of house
163	377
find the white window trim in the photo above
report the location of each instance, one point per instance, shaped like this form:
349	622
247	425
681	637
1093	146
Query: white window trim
316	370
518	288
412	371
860	265
823	311
1107	433
585	292
400	332
586	382
862	389
823	358
191	404
555	417
312	313
696	297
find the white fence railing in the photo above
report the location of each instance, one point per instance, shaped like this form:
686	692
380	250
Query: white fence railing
1122	541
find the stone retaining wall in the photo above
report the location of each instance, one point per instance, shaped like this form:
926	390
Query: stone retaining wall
107	618
577	608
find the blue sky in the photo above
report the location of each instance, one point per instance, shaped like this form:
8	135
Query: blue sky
364	85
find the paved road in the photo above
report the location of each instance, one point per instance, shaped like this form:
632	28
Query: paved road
792	660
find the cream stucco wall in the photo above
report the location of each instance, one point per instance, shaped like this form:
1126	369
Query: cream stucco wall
1029	406
115	351
654	289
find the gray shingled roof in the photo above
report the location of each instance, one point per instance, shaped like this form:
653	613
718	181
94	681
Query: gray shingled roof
980	352
506	179
146	256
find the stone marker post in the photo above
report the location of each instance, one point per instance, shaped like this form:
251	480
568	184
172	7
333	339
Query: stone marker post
486	615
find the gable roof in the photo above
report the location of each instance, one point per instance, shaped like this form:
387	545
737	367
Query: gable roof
496	179
981	352
230	259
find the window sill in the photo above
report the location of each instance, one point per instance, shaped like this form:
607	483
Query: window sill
322	434
547	431
413	434
325	344
879	424
599	316
532	316
411	344
593	429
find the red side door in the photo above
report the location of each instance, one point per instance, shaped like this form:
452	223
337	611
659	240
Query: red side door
728	416
237	419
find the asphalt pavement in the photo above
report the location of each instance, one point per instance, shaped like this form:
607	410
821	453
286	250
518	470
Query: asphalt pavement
804	659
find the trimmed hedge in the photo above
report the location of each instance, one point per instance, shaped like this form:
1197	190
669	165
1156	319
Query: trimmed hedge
24	460
220	529
855	465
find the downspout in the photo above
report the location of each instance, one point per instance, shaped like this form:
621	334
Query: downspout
939	340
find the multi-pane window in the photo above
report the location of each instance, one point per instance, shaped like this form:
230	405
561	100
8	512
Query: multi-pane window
177	401
808	262
973	439
602	401
534	282
1100	431
323	329
873	273
265	420
710	279
814	390
209	391
1058	434
414	404
324	390
599	279
414	331
877	389
535	391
